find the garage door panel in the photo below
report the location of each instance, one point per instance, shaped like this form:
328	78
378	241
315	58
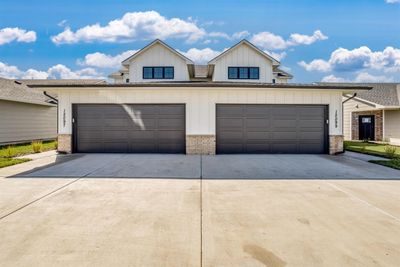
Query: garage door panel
230	111
256	135
230	122
261	128
257	148
116	134
171	123
134	128
257	123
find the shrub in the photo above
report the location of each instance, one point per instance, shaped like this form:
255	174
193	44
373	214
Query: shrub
55	144
10	152
37	146
390	151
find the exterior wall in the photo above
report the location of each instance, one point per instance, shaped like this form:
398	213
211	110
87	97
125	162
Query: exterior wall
392	126
378	123
336	144
200	144
200	102
278	80
349	107
157	56
243	56
21	122
64	143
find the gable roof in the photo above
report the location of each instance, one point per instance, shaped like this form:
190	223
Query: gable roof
281	73
147	47
11	90
245	42
61	81
383	94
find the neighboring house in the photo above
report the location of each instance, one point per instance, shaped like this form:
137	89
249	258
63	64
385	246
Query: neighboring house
240	102
373	115
25	114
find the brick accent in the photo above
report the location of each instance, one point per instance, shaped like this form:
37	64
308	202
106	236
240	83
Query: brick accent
200	144
335	144
378	124
64	143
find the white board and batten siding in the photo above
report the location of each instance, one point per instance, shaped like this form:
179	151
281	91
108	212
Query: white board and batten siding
158	56
243	56
200	102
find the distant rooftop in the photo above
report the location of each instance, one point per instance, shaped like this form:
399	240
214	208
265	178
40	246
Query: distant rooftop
385	94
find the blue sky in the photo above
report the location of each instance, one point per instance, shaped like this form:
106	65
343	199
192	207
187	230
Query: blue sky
338	40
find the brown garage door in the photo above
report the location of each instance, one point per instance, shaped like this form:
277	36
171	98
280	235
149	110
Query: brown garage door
292	129
129	128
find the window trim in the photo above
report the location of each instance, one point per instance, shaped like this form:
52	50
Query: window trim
248	73
163	72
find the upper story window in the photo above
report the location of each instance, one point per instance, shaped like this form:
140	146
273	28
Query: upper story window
245	73
158	72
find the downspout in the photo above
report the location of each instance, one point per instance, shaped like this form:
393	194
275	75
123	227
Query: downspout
56	100
343	102
49	96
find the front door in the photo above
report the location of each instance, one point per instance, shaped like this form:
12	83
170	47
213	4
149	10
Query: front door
366	127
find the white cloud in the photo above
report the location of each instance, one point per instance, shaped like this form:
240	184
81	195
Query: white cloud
101	60
357	59
267	40
333	79
58	71
316	65
277	56
234	36
365	77
8	71
362	77
201	56
34	74
8	35
392	1
270	41
302	39
134	26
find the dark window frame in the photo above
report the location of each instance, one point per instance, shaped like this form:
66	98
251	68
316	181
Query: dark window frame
163	73
248	73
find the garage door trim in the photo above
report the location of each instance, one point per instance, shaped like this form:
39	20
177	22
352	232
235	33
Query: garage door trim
74	148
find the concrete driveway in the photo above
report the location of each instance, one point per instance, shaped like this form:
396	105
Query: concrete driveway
75	221
220	167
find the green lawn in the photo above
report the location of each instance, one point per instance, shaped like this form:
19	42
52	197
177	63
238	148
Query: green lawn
368	148
25	149
393	163
4	162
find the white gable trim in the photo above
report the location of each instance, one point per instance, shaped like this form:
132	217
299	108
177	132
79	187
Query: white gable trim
245	42
147	47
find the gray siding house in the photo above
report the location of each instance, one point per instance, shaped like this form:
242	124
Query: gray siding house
27	114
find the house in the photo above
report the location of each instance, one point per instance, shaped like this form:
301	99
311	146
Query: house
161	102
373	115
25	114
268	67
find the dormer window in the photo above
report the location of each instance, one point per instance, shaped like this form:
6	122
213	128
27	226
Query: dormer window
244	73
158	72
